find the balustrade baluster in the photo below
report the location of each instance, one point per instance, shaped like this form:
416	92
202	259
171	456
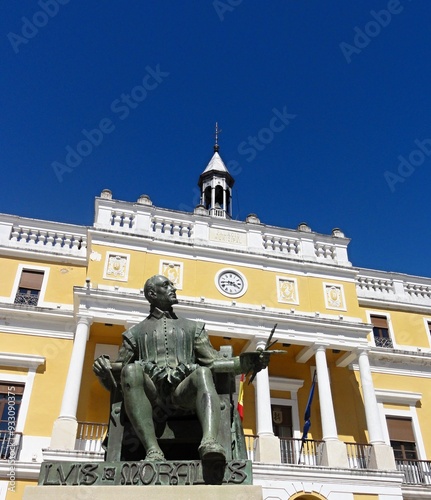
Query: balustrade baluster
32	237
67	240
42	238
24	235
50	239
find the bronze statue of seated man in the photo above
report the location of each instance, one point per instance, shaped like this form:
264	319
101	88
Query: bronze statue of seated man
167	365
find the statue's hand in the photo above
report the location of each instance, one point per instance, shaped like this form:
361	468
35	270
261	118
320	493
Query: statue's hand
254	361
102	368
181	372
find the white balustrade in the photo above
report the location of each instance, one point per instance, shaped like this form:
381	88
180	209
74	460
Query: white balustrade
283	244
47	240
393	289
325	251
418	290
375	284
122	219
175	228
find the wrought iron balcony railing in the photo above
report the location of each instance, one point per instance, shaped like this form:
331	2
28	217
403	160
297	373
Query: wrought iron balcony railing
296	451
90	436
415	471
358	455
28	299
10	445
383	342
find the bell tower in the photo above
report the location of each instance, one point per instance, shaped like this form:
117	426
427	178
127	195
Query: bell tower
216	183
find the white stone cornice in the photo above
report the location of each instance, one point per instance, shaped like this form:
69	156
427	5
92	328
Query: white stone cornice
395	306
240	321
36	321
404	371
224	255
400	357
285	384
398	397
72	455
324	475
23	470
28	361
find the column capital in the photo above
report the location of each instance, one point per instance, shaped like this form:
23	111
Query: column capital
362	350
84	320
320	346
260	341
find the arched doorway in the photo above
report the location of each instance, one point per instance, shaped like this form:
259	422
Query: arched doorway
307	496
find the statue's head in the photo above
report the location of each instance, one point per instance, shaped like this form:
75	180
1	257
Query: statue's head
160	292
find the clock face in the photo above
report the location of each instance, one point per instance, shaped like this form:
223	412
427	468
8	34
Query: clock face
231	283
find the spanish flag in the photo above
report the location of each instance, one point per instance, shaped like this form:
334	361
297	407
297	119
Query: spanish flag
240	406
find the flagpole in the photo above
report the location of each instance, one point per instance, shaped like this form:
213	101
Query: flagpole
307	415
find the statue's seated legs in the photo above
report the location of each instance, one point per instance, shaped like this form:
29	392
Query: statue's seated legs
139	391
196	393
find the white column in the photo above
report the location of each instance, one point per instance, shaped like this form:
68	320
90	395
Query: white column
375	431
263	404
334	453
64	431
382	455
329	427
224	201
69	404
268	445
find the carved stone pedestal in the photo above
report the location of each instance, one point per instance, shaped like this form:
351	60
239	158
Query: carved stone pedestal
196	492
156	480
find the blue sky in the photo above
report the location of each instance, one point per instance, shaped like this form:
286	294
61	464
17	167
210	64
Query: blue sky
324	109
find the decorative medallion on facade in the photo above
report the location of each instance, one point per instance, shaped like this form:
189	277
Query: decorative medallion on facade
173	271
287	290
116	266
95	256
334	296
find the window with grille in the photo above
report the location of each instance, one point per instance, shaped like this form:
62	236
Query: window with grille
10	402
29	287
381	334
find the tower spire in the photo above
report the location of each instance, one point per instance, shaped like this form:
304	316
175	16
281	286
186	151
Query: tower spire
216	183
217	132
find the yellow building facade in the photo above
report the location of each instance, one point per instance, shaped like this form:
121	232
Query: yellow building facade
68	292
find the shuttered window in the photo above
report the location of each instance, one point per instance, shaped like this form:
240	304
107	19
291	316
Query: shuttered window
380	326
31	279
29	287
381	331
402	438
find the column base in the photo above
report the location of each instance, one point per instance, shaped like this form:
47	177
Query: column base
334	454
64	434
268	449
224	492
382	457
